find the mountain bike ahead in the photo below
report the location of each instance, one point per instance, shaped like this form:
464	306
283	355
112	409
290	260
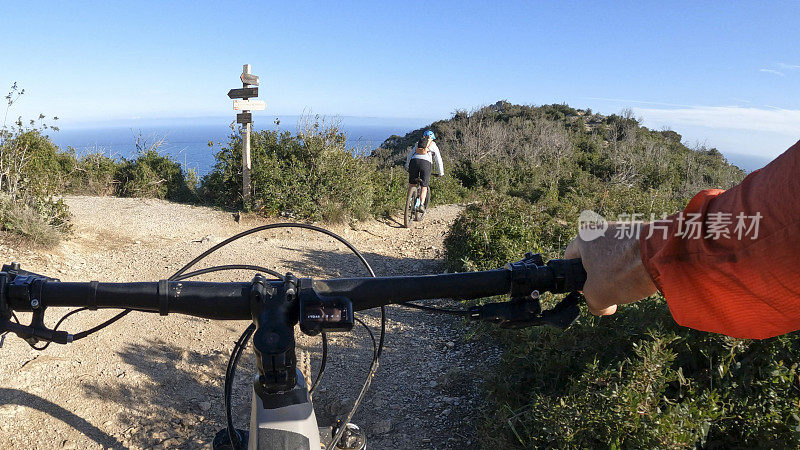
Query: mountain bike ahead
282	412
411	212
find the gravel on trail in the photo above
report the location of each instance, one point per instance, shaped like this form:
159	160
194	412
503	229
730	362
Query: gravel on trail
156	382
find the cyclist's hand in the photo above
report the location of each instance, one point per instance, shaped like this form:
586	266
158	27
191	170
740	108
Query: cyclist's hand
615	274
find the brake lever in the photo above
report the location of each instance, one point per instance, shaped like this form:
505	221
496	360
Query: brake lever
19	285
33	335
527	312
565	313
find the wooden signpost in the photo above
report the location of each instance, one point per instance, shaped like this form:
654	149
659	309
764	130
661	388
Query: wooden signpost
250	79
246	92
241	102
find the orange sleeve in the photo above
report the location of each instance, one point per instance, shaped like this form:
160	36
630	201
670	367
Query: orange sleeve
745	284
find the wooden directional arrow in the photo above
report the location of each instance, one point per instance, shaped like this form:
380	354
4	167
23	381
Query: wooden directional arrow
249	79
245	117
243	93
249	105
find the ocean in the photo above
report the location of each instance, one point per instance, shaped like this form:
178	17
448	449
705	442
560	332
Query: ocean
189	143
748	163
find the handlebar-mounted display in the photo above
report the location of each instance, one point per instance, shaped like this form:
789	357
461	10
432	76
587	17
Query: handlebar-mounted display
320	313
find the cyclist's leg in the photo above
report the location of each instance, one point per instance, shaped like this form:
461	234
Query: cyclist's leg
415	173
425	168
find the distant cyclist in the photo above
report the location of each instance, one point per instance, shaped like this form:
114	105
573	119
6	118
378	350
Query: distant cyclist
419	163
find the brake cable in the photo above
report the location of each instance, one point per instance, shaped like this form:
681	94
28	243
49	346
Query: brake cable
230	374
322	364
4	333
452	312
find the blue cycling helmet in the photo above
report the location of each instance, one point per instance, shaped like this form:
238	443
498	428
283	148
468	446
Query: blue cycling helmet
429	133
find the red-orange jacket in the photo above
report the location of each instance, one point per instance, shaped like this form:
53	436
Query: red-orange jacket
745	284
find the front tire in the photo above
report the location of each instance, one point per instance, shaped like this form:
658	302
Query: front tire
411	200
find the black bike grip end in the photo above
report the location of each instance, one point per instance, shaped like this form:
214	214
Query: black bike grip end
568	274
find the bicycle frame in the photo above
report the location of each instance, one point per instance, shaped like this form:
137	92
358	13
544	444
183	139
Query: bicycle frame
284	420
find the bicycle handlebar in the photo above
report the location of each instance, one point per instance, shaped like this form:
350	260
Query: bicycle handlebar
25	291
276	306
230	300
221	301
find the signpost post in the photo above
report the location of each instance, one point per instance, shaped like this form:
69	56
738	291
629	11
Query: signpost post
249	89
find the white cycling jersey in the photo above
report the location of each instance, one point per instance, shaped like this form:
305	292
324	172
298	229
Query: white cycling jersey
433	151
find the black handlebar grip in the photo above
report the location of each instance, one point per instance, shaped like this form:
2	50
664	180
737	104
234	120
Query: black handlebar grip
568	275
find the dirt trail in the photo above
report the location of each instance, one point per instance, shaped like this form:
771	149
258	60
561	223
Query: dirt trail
156	382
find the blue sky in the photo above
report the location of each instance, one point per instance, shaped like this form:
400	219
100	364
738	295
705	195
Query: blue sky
724	74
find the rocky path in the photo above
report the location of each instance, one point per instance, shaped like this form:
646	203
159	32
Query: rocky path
156	382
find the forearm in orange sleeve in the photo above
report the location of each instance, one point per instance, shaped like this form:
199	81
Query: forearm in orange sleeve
745	284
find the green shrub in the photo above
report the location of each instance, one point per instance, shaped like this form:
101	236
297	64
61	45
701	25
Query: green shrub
500	229
31	164
390	190
43	221
31	171
446	190
93	174
310	175
153	175
638	380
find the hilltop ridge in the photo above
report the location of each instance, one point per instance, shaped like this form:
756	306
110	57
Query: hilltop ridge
576	120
